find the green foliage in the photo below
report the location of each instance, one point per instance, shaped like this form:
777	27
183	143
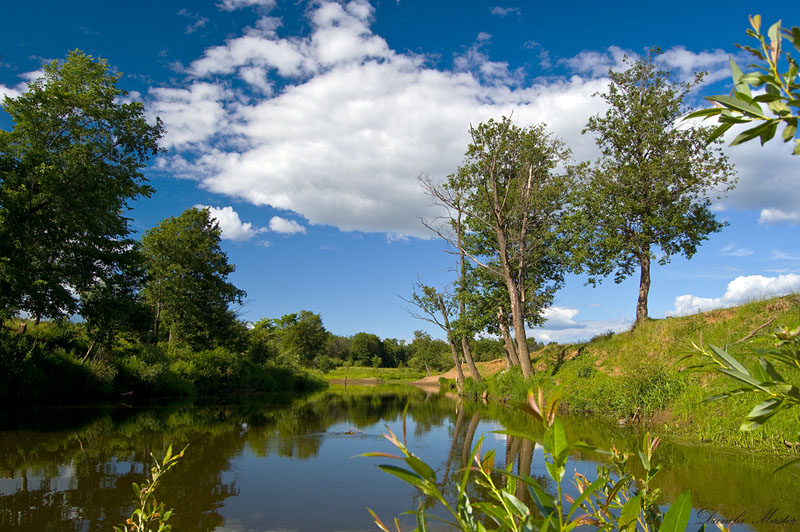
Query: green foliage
781	90
650	187
365	348
301	338
616	500
764	379
187	281
46	364
150	515
68	170
429	355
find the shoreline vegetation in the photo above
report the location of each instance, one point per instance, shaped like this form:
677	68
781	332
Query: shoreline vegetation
635	378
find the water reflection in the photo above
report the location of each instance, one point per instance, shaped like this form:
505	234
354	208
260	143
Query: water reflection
284	463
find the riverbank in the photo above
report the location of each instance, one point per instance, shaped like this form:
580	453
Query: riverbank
640	376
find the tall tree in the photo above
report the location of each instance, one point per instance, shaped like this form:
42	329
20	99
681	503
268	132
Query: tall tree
514	200
650	187
303	337
188	285
68	169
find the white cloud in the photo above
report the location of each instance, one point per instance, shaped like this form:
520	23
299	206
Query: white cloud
561	318
232	226
733	251
597	64
282	225
741	290
505	11
716	63
191	115
335	126
15	92
774	216
232	5
562	326
767	180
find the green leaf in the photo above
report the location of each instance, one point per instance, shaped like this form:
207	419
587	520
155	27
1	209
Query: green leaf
774	34
403	474
751	133
421	468
738	105
736	73
789	131
677	517
728	359
718	132
587	492
630	512
542	499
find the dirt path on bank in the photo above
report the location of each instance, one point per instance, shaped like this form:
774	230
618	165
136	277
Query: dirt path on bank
485	368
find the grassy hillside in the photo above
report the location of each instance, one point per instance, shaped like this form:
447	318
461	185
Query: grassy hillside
636	375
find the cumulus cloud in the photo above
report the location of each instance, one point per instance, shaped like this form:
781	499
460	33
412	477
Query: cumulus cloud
741	290
232	5
506	11
557	318
335	126
192	115
11	92
232	226
282	225
562	327
767	180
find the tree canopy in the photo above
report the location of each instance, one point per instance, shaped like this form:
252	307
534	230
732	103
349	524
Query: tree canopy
650	188
512	191
68	169
187	283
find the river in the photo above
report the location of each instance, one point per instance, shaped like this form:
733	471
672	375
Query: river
286	463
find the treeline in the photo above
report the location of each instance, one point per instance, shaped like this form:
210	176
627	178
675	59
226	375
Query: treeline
300	339
155	316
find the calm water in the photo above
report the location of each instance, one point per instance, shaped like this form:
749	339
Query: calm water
286	463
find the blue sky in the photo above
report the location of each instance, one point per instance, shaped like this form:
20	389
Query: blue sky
304	126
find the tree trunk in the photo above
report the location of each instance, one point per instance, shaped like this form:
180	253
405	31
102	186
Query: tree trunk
644	289
467	450
456	359
470	361
511	351
462	307
518	317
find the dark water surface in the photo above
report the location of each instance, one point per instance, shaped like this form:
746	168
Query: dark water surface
284	463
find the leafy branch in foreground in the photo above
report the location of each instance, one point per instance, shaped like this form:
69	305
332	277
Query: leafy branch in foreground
782	90
616	500
764	378
151	515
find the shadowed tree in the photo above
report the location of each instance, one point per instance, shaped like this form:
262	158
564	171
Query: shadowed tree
68	169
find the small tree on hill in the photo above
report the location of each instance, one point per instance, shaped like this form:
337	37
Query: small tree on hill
650	188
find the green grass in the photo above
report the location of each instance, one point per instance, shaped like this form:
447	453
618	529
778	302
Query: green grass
384	374
636	375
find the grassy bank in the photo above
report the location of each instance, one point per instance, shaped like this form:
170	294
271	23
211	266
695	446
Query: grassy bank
636	376
384	374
